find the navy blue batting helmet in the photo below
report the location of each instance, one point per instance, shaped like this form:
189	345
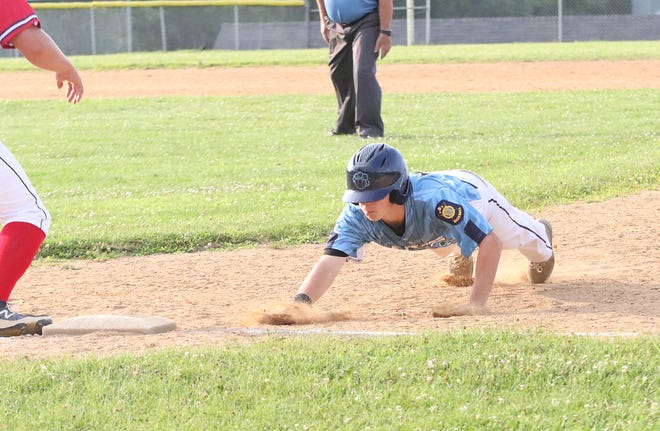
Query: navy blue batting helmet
375	171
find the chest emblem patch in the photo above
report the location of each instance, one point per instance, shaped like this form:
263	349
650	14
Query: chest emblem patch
449	212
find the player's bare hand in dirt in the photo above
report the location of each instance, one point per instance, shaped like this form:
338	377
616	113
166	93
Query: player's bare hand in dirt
446	309
297	313
291	314
74	90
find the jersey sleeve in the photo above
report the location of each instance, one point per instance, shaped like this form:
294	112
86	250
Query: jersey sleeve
466	223
16	16
348	235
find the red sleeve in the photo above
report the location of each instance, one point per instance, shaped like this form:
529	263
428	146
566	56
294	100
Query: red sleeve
16	16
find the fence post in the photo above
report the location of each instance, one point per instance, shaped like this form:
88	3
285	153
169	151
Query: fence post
560	20
129	29
306	21
236	33
163	30
92	26
428	22
410	21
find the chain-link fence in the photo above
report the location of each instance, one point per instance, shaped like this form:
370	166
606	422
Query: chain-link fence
168	26
504	21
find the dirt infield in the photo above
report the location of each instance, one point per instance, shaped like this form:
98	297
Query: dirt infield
606	280
397	78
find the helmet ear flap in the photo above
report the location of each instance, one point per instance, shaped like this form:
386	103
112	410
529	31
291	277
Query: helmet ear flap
399	196
396	198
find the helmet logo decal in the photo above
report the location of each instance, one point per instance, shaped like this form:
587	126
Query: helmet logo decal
361	180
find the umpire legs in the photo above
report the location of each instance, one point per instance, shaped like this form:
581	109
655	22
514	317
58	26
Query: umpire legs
353	72
341	73
368	95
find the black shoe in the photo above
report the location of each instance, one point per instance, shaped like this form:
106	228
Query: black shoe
14	324
370	133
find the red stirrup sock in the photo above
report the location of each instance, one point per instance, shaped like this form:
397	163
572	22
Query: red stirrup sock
19	243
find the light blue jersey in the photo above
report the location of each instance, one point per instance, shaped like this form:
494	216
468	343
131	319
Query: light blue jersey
438	214
348	11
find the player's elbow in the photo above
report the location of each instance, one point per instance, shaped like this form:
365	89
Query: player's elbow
491	242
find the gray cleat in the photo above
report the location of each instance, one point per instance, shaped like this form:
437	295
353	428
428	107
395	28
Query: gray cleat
14	324
539	272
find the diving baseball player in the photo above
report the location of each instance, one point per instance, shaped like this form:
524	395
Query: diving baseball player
24	218
450	212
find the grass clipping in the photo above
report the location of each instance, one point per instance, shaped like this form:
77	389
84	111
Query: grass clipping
295	314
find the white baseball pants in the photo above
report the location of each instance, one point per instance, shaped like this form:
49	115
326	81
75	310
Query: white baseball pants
19	202
515	228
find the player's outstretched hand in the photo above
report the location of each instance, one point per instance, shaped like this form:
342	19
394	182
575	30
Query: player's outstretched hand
296	313
74	90
450	310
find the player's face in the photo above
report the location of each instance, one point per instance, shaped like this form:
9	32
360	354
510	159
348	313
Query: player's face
376	210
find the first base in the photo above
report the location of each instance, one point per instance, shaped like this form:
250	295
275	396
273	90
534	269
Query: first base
110	323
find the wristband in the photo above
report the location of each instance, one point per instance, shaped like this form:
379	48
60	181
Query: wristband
386	32
301	297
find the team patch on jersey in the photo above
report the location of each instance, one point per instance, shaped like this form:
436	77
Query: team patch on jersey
449	212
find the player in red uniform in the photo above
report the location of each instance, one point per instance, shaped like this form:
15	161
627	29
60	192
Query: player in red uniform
23	216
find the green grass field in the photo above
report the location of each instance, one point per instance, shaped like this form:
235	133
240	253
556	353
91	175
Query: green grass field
171	174
464	380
